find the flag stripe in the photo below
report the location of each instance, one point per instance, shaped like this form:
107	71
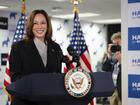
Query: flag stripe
92	102
85	60
5	83
7	78
71	66
7	71
83	65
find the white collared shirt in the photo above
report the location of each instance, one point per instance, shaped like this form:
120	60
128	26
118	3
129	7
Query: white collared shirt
115	73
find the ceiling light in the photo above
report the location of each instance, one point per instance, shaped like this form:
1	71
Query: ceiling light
109	21
70	16
3	7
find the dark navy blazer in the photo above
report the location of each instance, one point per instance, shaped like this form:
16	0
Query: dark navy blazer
25	59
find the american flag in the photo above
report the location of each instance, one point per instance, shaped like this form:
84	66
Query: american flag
20	28
20	31
17	37
78	43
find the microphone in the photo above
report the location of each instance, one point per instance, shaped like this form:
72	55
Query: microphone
76	59
64	59
70	50
75	56
67	61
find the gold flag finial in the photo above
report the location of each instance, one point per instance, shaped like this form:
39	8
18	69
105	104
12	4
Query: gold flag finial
23	8
75	3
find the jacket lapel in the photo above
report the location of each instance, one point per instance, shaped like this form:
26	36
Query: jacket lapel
36	53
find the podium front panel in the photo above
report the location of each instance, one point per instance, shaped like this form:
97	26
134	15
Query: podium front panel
50	87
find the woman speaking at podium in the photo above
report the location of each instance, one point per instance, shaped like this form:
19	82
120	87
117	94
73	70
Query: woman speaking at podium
36	53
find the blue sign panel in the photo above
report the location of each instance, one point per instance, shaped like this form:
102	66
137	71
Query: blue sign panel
134	86
133	1
133	38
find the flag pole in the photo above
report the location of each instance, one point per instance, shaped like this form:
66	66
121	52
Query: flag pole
23	8
76	12
75	5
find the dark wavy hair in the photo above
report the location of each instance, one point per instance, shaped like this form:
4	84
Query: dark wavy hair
30	23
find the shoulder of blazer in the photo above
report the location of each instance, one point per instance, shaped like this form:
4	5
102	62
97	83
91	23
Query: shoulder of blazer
21	44
54	45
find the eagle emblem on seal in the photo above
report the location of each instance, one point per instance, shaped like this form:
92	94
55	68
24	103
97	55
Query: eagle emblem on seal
77	82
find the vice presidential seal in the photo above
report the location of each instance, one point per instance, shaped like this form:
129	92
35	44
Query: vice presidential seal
77	82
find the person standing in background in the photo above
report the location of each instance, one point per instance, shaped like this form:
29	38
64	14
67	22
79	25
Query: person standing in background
36	53
112	63
108	60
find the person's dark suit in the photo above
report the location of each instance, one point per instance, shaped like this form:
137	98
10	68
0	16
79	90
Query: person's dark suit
108	65
119	83
25	60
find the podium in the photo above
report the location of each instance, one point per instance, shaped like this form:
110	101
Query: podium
50	87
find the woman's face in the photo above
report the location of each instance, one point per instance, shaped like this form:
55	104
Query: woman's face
39	27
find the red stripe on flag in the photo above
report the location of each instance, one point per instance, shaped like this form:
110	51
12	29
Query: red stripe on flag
5	83
71	66
92	102
65	69
7	71
83	57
